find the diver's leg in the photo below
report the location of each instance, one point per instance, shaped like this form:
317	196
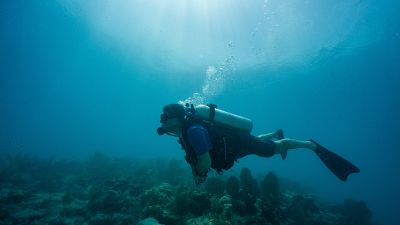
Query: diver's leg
267	148
285	144
274	135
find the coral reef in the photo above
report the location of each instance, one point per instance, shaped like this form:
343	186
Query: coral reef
215	185
104	190
232	187
247	194
270	189
249	185
157	202
301	209
149	221
356	212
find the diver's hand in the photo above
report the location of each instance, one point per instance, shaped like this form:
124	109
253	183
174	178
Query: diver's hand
201	168
203	163
200	178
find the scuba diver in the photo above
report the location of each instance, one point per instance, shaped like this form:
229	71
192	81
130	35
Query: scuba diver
213	138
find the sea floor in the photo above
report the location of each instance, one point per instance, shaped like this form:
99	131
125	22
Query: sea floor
121	191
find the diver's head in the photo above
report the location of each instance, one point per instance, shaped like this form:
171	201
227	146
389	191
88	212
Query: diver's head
171	119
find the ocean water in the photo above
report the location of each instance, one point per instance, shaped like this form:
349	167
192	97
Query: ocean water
78	77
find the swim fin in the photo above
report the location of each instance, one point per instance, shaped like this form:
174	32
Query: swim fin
335	163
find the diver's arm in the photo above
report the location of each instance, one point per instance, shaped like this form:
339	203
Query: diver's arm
201	168
203	164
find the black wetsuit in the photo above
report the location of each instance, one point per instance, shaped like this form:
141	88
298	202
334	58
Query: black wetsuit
228	145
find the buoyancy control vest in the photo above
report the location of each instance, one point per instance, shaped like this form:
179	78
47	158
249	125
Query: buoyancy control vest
226	132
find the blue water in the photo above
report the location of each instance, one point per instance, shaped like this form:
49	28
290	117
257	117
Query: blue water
79	77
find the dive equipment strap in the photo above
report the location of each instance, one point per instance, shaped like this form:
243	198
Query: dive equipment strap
212	112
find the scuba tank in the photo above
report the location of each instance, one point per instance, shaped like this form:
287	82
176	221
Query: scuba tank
211	114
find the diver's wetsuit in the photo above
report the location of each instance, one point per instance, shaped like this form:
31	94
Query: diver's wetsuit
224	145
